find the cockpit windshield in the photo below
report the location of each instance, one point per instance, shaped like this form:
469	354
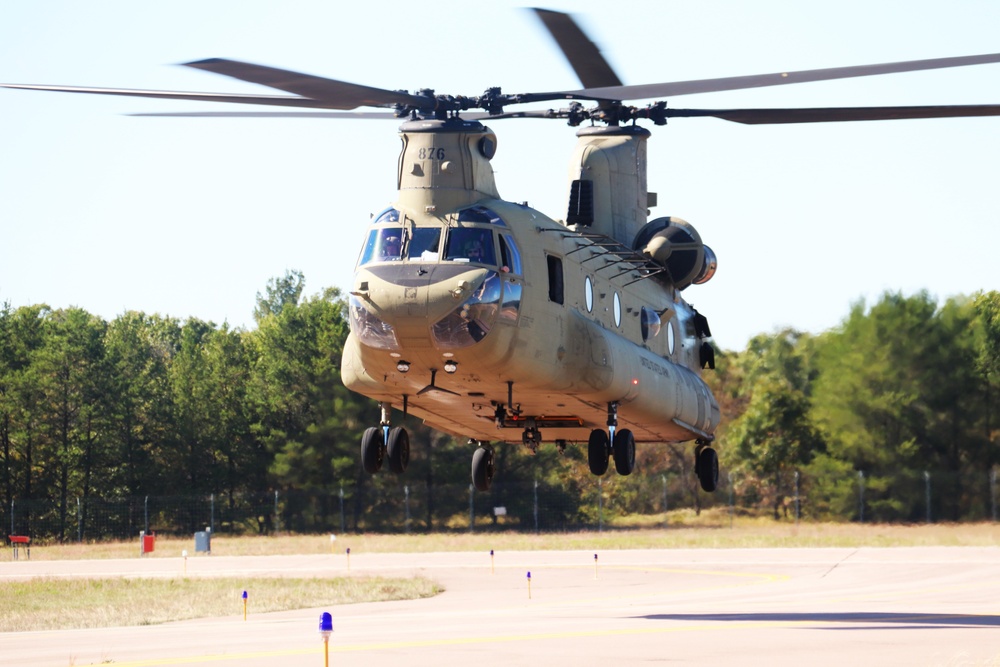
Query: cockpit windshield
394	239
470	244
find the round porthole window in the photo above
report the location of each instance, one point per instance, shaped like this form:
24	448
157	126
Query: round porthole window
588	291
649	323
618	310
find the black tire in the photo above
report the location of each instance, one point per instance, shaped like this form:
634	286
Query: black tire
624	452
397	449
482	468
598	451
708	469
372	450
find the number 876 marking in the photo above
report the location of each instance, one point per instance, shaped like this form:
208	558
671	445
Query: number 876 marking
431	153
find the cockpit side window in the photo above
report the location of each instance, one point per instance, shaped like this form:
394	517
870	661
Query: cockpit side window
470	244
510	256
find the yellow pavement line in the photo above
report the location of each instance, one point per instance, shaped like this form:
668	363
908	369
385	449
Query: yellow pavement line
458	641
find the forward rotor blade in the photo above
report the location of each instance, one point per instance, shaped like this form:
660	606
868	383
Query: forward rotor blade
342	115
276	100
835	114
332	93
672	89
583	55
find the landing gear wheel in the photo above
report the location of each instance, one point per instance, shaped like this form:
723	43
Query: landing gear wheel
482	468
707	467
372	450
598	451
624	452
397	449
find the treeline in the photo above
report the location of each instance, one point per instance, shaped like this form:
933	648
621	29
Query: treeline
146	405
898	394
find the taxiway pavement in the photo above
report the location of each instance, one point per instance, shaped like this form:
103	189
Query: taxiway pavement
797	606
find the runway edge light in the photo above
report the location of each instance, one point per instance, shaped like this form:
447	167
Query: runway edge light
325	630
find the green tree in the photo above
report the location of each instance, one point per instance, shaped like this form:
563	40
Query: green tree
774	436
897	395
139	351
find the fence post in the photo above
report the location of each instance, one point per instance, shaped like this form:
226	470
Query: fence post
406	491
472	508
600	504
343	522
927	494
145	513
796	497
536	505
79	521
732	504
12	531
993	493
666	521
277	517
211	513
861	496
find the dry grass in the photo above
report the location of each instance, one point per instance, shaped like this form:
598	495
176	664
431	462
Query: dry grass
51	604
710	530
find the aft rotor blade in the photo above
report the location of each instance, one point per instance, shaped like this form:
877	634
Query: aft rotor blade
276	100
835	114
331	93
672	89
583	55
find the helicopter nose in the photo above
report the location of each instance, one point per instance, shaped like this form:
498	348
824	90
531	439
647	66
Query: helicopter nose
444	306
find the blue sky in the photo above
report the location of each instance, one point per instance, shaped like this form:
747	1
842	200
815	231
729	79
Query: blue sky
191	217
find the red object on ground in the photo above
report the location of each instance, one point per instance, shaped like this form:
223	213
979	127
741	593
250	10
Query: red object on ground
17	540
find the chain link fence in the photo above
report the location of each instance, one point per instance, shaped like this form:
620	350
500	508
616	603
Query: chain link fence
390	504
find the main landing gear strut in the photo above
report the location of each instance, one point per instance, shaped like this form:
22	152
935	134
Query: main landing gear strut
706	465
613	443
379	443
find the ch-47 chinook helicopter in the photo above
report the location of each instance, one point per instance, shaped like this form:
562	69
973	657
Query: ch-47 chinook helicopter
491	320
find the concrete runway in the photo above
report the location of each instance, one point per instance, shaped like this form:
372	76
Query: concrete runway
838	606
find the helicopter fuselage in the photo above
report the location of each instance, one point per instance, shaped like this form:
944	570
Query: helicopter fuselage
484	317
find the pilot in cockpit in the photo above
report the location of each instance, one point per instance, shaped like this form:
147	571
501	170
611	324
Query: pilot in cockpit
474	251
391	248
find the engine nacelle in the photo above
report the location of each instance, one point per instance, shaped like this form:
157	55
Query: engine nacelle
675	244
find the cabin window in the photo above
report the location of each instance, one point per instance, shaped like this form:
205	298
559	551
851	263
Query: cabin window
618	310
555	279
510	256
649	320
471	244
588	293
